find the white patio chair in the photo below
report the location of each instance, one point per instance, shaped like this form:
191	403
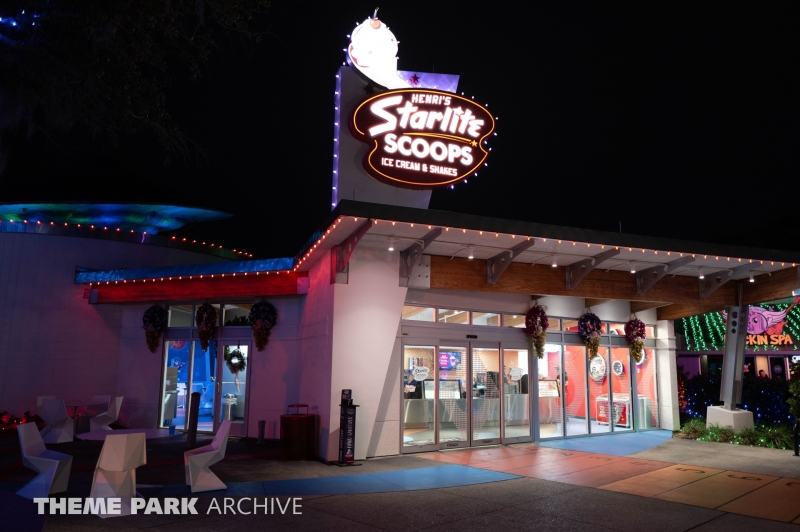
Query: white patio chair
102	421
197	461
98	405
53	467
41	399
60	427
115	474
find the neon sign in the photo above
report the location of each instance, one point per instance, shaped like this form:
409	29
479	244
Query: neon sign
422	138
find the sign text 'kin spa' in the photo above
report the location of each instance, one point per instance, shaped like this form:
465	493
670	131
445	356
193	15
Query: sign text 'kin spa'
422	138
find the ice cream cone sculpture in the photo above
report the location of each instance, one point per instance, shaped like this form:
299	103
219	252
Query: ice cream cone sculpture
373	51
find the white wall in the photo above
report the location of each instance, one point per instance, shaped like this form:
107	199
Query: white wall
367	314
667	375
52	342
563	306
501	302
139	371
315	331
274	374
613	310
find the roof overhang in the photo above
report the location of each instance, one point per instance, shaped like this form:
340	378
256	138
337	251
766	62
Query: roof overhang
668	269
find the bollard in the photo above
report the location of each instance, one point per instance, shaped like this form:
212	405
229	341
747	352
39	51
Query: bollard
194	409
262	424
797	439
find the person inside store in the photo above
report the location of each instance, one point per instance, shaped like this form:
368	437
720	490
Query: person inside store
762	374
413	387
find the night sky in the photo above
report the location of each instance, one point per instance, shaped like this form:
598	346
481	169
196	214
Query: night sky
680	120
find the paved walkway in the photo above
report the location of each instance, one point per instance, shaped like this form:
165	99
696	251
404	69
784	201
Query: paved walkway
677	485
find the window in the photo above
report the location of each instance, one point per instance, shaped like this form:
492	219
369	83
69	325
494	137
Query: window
571	325
488	319
514	320
179	316
418	313
452	316
616	329
236	314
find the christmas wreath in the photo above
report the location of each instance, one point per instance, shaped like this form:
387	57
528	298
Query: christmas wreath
263	316
154	323
589	332
536	324
206	321
635	334
235	360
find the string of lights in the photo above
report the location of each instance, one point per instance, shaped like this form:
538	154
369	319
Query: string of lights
92	227
699	331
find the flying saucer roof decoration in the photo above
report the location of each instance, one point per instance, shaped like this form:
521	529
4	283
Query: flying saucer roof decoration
138	217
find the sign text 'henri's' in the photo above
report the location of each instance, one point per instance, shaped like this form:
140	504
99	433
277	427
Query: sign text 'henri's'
422	138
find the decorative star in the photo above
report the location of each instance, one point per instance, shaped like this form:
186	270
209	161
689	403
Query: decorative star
474	143
414	80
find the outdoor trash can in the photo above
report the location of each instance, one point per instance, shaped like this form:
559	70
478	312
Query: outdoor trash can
228	402
298	441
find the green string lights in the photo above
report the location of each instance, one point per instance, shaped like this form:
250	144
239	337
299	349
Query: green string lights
706	332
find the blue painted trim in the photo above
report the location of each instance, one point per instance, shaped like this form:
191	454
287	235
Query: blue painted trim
83	276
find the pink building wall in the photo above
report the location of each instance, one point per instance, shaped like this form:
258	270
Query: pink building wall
52	341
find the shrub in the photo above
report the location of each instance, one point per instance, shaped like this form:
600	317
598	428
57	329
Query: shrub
746	437
718	434
775	437
694	429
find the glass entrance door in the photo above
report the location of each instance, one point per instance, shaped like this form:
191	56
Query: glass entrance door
188	369
487	386
419	390
455	392
516	397
462	394
230	401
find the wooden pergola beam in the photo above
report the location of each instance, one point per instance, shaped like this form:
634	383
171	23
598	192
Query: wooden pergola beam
771	287
684	310
519	278
640	306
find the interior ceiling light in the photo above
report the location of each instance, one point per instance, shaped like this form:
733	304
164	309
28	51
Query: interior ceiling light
555	261
700	273
633	268
751	278
391	243
472	252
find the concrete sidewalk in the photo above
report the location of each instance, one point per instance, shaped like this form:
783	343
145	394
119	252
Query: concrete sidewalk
520	503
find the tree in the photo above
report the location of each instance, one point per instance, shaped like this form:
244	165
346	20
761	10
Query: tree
105	65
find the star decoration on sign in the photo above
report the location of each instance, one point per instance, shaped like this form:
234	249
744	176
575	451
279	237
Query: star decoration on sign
474	143
414	80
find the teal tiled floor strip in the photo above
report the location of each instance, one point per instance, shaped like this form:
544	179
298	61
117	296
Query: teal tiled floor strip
613	444
404	480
